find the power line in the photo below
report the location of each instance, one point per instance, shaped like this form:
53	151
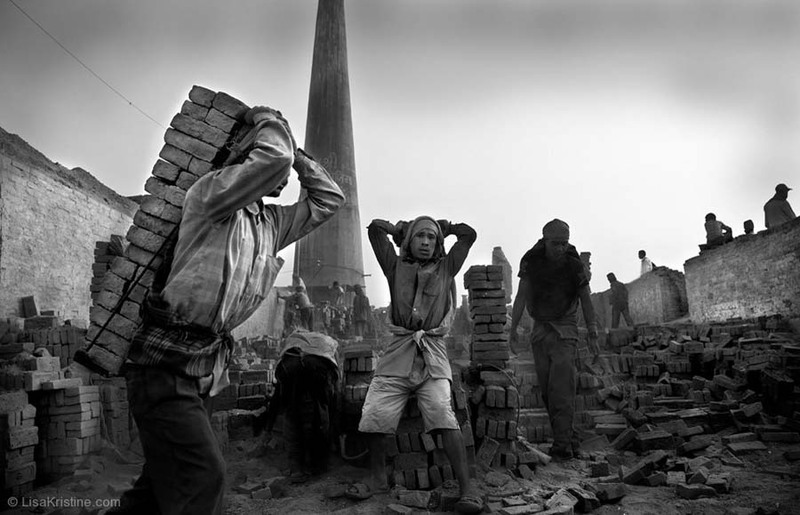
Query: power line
65	49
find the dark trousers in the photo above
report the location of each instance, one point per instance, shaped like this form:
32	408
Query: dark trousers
306	386
184	470
554	359
615	313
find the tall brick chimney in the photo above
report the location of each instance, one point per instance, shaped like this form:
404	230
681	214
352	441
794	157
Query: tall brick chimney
333	251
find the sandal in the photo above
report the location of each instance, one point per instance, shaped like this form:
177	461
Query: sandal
361	491
469	504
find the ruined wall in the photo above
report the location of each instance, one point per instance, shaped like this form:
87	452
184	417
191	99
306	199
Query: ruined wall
48	231
753	276
656	297
266	321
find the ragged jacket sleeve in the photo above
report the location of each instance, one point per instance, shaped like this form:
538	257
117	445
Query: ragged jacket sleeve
382	246
320	199
222	192
466	236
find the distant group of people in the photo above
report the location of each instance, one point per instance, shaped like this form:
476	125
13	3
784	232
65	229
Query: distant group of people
336	318
777	211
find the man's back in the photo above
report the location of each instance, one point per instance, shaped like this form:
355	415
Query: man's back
777	212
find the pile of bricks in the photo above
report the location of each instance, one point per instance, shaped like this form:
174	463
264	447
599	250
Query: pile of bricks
61	342
487	308
499	417
497	421
249	389
417	460
69	428
29	373
10	329
18	438
117	422
196	141
358	364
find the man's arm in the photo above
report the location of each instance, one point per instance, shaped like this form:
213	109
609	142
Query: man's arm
584	293
378	232
320	198
517	308
788	211
458	252
222	192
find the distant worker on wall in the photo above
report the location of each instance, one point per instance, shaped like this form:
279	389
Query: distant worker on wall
225	263
299	309
552	280
423	304
717	233
619	302
749	227
777	210
647	265
337	295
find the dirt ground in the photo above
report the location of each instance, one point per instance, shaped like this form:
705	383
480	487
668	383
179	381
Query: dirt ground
766	484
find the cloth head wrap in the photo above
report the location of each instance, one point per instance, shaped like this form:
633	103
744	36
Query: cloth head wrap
556	230
420	223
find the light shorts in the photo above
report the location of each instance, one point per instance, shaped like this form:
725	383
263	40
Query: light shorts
387	397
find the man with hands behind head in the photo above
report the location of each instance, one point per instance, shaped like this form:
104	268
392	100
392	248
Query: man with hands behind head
423	303
552	279
224	264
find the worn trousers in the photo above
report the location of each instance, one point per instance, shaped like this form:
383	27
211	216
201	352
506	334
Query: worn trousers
554	358
616	312
184	470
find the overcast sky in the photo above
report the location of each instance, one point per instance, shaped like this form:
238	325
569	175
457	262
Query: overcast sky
628	120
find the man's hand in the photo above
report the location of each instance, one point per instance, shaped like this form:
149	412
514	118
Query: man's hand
383	225
303	161
250	117
399	233
260	113
592	341
445	226
75	369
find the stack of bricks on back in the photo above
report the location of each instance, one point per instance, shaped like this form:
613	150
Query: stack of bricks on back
18	439
195	142
104	254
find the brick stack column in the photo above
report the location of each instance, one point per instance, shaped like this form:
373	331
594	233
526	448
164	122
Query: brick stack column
417	459
116	416
18	439
69	429
194	143
497	396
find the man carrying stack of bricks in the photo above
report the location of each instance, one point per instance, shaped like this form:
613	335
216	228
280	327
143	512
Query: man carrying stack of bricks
552	281
423	303
224	265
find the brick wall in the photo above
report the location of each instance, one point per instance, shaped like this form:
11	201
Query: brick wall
48	232
753	276
656	297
